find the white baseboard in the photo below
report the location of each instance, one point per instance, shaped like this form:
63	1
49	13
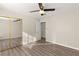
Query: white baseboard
66	46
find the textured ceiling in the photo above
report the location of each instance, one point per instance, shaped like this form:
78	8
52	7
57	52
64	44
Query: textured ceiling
25	8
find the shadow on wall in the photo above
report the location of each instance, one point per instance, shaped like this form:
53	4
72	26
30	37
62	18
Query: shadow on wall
27	38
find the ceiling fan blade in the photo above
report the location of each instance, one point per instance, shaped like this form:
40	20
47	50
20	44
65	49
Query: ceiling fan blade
35	11
44	10
49	9
16	20
41	6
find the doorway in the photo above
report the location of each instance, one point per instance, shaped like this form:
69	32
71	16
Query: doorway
43	31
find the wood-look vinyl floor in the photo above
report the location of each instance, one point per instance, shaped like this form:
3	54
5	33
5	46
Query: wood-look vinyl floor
40	49
7	43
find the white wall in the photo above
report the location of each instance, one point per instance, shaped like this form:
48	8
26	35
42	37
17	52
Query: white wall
38	29
62	27
67	29
31	30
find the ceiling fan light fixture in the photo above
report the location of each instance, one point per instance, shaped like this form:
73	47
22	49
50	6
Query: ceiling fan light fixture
41	12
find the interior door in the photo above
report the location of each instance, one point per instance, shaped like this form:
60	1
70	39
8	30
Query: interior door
43	31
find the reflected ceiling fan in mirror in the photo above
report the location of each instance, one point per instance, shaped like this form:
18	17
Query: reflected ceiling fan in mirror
42	9
17	20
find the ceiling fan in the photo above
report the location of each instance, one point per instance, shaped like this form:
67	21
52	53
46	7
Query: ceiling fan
42	10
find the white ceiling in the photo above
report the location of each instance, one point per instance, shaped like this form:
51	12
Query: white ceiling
25	8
